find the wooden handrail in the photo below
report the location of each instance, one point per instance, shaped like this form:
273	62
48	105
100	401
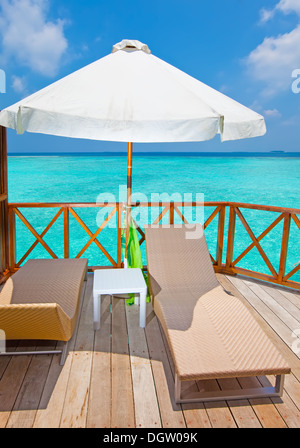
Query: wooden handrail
267	208
171	210
270	208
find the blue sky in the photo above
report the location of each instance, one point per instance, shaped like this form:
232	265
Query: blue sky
248	50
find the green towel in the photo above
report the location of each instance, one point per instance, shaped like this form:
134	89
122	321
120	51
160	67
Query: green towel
134	255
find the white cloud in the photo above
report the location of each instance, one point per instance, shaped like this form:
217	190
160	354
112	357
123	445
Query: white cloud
274	60
18	84
266	15
272	113
284	6
288	6
29	37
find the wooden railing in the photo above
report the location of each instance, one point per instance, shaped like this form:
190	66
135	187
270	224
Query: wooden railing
279	276
230	220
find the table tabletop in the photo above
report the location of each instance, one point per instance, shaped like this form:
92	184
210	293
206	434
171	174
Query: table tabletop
109	281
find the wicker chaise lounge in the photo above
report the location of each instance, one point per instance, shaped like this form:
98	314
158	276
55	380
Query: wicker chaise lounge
41	301
211	334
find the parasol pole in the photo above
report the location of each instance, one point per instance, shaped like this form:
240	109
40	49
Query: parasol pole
129	191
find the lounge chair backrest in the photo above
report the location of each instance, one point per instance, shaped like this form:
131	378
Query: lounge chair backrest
178	257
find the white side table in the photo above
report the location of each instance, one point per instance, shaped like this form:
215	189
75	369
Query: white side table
119	281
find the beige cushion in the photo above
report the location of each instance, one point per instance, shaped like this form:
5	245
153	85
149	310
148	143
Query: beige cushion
41	300
211	333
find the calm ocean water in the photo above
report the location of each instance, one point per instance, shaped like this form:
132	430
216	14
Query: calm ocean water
257	180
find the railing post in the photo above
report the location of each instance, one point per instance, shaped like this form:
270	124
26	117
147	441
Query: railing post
66	233
4	235
230	241
220	242
12	239
119	234
284	246
171	213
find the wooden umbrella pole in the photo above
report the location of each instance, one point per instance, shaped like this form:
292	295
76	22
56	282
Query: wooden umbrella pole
129	191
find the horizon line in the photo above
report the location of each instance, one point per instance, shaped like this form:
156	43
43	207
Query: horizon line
160	153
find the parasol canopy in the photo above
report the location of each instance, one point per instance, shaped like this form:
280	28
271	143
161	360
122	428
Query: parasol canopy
131	96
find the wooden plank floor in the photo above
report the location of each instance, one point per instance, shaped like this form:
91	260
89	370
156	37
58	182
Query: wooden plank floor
122	376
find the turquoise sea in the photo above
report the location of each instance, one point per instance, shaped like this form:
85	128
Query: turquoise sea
265	180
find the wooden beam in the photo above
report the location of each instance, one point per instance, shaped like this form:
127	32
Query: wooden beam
172	213
211	217
181	215
93	237
53	220
220	241
259	238
161	215
256	242
292	272
4	230
66	232
296	220
284	245
119	235
34	232
231	235
12	239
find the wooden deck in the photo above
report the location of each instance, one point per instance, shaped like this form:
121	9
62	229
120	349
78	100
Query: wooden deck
122	376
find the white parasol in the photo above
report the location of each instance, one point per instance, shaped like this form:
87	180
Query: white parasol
132	96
